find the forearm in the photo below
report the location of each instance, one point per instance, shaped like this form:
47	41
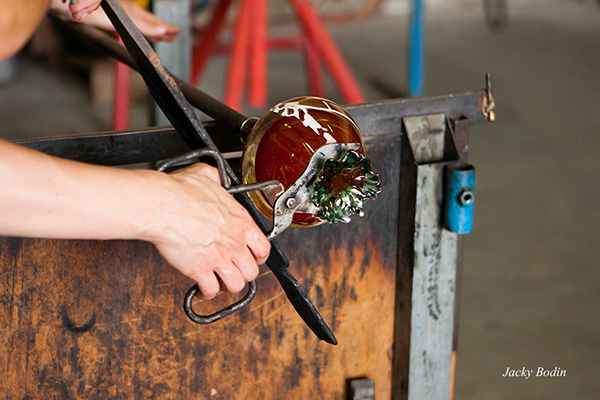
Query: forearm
43	196
194	223
17	23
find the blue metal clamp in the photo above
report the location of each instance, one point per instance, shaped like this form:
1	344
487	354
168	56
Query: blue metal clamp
460	198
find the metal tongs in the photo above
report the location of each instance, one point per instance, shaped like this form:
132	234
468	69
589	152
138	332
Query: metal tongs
168	96
297	198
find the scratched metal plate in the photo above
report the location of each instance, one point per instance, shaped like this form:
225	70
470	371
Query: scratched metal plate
89	320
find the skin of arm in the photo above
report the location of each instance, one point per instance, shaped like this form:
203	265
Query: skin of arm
193	222
18	21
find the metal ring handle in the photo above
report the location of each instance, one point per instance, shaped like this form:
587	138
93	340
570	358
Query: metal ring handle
195	154
209	319
187	302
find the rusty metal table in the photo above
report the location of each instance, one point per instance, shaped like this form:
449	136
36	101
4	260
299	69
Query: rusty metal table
103	319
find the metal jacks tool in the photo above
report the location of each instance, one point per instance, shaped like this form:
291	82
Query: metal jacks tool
170	99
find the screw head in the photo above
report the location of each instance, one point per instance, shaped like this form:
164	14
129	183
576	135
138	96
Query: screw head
291	202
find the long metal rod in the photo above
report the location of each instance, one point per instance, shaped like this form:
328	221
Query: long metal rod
202	101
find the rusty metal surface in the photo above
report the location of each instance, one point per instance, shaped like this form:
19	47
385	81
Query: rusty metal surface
404	271
87	319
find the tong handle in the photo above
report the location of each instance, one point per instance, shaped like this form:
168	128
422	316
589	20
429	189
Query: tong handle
209	319
218	157
195	154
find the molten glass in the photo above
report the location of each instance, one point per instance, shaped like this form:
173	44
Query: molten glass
281	145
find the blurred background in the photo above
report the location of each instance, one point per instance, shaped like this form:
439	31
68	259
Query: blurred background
530	285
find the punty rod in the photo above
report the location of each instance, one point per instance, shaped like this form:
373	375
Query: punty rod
197	98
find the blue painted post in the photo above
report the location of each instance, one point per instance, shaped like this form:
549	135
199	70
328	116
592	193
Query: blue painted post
416	56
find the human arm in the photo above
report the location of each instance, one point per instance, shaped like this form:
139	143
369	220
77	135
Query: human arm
193	222
18	21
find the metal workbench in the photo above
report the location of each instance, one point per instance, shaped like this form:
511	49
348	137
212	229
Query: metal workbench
88	319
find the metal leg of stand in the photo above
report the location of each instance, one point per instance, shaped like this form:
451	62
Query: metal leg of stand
175	55
416	56
431	255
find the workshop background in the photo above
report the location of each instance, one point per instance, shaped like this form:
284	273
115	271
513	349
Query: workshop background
530	277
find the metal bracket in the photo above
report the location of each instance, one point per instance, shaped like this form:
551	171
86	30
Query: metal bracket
362	389
430	137
433	256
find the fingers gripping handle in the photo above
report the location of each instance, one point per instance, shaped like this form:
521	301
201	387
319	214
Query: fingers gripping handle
187	302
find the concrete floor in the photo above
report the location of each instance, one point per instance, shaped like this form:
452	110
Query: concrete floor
531	275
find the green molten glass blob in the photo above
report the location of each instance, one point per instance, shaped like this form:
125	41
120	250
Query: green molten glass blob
343	186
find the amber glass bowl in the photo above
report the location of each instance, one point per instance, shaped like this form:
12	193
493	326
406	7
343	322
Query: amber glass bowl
283	141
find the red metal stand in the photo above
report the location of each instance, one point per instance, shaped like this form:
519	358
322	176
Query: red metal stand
209	37
258	14
313	69
251	44
326	50
239	56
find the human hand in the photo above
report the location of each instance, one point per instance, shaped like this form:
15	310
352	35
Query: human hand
81	8
206	234
152	27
